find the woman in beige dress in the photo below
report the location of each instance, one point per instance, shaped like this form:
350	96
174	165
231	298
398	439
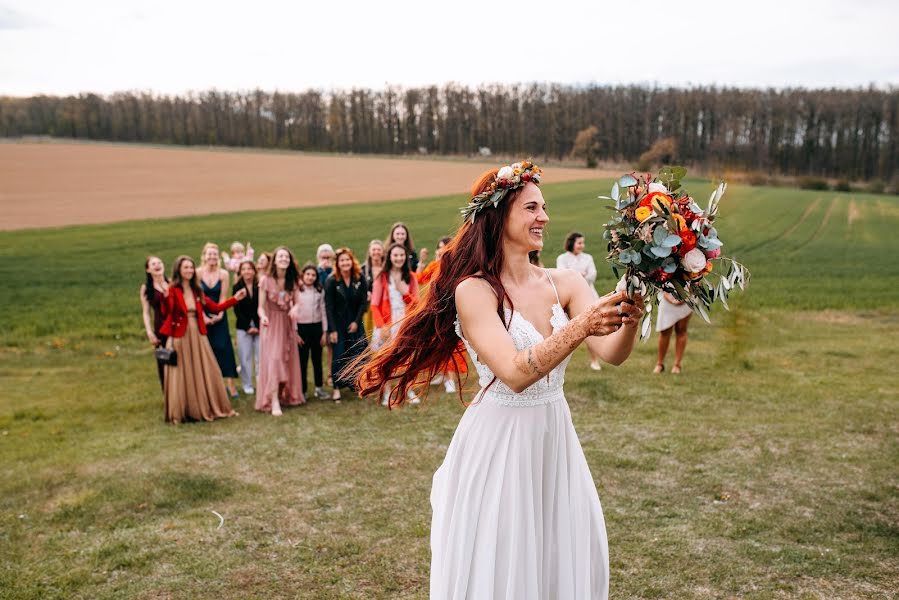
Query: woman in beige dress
194	389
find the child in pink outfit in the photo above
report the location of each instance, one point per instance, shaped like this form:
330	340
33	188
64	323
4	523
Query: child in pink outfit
238	254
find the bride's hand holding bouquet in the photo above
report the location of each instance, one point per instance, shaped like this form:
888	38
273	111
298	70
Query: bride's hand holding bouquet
666	243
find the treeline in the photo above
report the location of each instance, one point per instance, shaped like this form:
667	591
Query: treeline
834	133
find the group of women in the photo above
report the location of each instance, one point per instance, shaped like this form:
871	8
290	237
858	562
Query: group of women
287	317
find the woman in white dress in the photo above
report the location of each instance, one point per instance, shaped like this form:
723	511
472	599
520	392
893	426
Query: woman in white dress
516	514
674	315
577	260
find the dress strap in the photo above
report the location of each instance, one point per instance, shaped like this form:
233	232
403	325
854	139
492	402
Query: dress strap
558	300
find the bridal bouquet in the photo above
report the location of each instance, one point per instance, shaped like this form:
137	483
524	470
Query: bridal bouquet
664	242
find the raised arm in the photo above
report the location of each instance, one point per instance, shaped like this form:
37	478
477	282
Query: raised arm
217	307
476	304
616	347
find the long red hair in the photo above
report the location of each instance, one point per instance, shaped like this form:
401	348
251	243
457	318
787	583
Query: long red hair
426	339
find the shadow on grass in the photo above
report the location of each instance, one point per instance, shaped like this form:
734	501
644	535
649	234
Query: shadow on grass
112	502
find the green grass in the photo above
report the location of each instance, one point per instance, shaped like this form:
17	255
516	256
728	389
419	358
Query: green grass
767	470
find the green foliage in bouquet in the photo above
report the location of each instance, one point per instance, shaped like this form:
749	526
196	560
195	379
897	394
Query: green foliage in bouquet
664	242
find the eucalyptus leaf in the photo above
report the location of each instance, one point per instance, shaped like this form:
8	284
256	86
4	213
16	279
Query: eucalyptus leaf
661	252
659	235
627	181
671	240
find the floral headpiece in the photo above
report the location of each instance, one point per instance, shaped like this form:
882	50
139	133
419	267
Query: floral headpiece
507	179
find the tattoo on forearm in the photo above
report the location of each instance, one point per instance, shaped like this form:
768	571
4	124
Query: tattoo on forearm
533	364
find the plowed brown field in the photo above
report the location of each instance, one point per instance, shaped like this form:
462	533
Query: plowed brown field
55	184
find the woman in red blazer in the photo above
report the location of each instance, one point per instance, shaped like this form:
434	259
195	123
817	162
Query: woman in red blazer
194	389
394	291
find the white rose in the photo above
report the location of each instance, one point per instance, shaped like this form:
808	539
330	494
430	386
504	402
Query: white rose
516	165
694	261
505	173
656	187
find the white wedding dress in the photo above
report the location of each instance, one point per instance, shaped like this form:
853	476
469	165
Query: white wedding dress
516	515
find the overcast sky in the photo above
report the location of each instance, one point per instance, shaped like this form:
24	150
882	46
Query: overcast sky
173	46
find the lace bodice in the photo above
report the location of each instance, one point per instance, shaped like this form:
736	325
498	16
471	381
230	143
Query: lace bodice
524	335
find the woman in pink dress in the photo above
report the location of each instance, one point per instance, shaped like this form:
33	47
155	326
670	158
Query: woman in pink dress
279	369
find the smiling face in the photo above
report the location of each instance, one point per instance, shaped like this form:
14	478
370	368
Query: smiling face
578	245
400	234
345	264
211	257
376	250
526	219
282	259
309	276
247	272
187	270
155	266
397	258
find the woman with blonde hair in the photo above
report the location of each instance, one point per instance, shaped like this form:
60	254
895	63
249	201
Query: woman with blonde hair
216	284
371	269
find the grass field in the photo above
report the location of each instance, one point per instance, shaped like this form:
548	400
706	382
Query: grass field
767	470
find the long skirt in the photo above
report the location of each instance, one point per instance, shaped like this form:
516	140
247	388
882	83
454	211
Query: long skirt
194	390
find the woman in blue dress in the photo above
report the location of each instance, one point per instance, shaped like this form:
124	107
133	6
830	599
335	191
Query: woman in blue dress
215	282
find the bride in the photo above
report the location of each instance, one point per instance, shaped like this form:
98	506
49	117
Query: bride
516	514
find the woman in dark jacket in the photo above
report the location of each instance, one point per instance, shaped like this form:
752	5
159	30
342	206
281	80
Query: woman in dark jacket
247	326
346	300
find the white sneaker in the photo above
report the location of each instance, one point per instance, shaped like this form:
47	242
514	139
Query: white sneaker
413	398
596	365
385	399
438	379
449	385
248	390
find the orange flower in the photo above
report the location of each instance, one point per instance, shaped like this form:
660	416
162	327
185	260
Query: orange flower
656	199
642	213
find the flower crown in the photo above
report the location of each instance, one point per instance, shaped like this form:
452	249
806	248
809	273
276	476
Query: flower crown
507	179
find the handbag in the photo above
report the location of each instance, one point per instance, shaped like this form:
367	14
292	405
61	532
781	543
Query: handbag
167	356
